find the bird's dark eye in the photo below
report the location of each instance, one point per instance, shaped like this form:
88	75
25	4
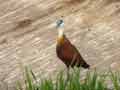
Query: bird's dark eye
59	22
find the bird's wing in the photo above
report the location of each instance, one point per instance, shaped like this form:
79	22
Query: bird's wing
69	51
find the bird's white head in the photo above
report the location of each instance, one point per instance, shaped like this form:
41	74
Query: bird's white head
60	27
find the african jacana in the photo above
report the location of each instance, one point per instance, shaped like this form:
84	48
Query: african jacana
66	51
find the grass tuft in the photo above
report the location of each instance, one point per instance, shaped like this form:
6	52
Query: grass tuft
92	81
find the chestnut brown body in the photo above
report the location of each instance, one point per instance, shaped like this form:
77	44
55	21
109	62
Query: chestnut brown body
67	52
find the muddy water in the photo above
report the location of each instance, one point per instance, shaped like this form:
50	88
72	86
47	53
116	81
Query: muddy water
28	35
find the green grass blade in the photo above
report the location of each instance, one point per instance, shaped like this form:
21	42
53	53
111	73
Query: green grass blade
115	80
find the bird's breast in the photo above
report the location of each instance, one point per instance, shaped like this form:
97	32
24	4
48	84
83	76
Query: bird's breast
64	51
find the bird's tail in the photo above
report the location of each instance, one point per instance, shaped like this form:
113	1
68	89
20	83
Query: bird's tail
85	65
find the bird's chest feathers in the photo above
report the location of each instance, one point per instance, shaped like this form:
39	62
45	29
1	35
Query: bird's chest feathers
64	50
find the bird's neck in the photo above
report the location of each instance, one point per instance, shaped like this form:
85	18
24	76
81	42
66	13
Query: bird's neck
60	35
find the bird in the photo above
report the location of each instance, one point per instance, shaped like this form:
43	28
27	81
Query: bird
66	51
